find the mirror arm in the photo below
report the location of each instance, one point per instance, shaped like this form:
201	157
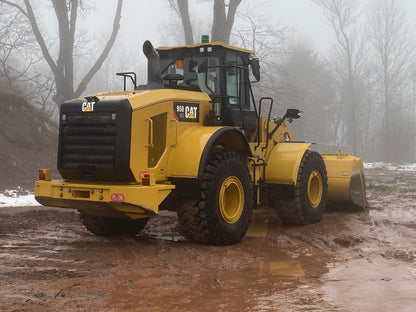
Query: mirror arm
278	124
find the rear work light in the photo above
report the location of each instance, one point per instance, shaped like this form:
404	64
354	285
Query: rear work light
45	174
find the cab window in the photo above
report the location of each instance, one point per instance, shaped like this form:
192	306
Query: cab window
235	80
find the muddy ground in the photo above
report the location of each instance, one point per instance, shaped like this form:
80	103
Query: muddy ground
350	262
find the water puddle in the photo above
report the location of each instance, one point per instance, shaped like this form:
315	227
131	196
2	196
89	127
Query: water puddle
283	269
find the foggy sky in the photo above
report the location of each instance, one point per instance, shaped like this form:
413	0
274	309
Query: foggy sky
302	17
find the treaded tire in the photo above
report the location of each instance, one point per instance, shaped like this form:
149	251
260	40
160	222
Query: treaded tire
306	207
209	220
105	226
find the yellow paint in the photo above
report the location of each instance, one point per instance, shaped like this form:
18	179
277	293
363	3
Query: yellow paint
340	168
284	161
186	154
315	188
231	199
139	201
178	133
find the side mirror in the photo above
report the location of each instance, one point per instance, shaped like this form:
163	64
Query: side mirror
292	113
255	68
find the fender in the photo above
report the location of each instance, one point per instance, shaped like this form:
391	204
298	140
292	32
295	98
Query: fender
283	163
188	157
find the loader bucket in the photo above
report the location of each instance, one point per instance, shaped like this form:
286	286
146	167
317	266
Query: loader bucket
346	183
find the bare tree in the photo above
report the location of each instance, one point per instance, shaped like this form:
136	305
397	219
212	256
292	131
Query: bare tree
66	12
15	40
308	85
349	64
223	19
394	50
19	62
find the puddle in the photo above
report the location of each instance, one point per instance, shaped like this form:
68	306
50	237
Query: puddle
283	269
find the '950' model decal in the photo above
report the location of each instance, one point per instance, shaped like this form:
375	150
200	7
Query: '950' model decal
188	112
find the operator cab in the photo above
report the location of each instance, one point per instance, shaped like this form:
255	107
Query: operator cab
217	69
220	70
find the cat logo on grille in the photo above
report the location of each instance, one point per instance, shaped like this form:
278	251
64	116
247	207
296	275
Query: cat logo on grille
87	106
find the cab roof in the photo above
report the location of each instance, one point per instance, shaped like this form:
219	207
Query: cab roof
215	43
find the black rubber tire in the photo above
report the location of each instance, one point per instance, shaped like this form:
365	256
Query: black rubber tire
298	210
201	220
105	226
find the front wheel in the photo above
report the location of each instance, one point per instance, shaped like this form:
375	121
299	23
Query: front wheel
222	214
308	203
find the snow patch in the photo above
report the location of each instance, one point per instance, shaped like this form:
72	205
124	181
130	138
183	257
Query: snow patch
391	166
16	198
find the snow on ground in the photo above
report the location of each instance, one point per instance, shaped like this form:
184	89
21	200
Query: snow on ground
16	198
391	166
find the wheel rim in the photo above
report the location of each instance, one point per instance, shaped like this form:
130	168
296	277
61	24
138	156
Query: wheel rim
315	188
231	199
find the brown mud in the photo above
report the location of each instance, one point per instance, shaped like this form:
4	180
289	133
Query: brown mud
363	261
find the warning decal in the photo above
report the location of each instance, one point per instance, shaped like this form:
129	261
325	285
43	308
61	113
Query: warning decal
188	112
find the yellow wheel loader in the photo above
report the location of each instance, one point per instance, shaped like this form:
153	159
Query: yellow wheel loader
192	140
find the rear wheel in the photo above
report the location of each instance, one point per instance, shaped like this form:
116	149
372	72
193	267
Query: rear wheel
222	214
308	203
105	226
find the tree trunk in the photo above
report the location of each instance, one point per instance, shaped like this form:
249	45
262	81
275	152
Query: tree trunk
223	21
186	21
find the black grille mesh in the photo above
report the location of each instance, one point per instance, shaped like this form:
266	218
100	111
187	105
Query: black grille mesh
88	141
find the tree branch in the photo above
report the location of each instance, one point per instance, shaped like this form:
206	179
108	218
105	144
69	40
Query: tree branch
39	38
116	26
16	6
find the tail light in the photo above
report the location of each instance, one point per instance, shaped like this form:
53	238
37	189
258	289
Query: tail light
146	179
45	174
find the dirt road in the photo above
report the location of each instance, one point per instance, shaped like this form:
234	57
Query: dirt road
350	262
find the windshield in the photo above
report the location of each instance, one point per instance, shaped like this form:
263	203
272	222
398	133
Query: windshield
195	72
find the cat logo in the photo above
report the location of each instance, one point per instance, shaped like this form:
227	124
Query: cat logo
188	112
87	106
191	112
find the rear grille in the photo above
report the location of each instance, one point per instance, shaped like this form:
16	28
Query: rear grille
95	145
88	141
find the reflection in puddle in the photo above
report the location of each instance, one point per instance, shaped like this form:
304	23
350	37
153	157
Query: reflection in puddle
172	237
286	269
258	228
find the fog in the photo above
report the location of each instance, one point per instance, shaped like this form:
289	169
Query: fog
335	76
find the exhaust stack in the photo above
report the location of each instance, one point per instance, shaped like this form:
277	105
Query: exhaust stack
153	64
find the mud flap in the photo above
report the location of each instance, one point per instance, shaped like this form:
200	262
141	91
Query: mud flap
346	182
